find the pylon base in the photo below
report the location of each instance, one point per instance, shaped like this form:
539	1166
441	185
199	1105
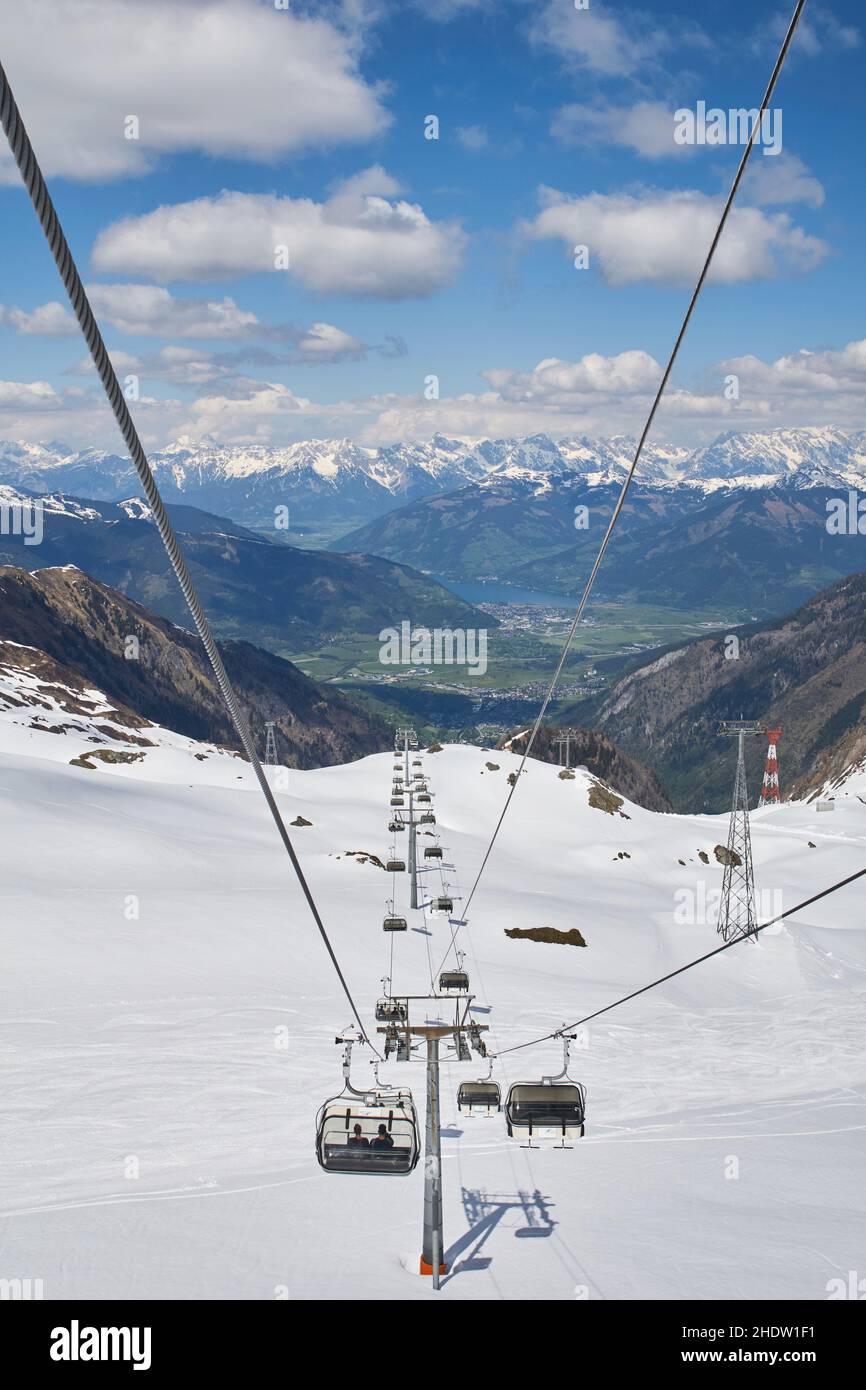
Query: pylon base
426	1268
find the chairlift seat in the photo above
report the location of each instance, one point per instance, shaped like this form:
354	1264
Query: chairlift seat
454	982
336	1149
396	866
475	1096
395	924
432	852
390	1010
545	1110
443	905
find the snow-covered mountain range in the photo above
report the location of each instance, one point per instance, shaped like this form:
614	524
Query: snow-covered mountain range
334	481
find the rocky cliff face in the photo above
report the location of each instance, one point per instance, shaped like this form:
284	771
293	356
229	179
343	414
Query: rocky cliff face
602	757
805	674
150	668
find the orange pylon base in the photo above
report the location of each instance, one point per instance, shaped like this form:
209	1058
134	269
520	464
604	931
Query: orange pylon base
426	1268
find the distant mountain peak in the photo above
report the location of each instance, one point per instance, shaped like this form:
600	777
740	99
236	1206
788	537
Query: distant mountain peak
332	481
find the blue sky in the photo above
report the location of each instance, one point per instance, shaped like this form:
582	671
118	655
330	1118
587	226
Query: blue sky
413	257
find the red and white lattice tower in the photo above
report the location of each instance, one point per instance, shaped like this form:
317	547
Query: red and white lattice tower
770	788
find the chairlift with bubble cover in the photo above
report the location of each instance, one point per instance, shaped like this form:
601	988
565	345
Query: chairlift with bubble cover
367	1132
548	1112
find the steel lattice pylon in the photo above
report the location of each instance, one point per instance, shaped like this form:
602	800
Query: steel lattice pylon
270	745
737	911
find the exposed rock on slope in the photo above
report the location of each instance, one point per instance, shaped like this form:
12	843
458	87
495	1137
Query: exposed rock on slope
601	756
805	674
86	627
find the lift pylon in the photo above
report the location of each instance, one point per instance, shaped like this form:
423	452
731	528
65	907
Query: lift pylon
432	1260
737	915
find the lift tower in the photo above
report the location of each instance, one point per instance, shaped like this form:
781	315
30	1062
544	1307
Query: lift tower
563	743
433	1248
737	911
270	744
770	795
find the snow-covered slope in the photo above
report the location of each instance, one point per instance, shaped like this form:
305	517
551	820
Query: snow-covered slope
168	1017
39	697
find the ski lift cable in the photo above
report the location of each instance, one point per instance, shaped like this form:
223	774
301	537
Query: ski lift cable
729	202
34	182
570	1027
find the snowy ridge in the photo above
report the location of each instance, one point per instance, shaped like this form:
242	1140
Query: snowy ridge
48	712
798	458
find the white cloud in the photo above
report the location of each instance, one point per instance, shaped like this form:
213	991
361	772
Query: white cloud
472	137
373	180
220	77
785	179
50	320
662	238
593	376
817	33
357	242
35	410
195	368
597	395
150	310
647	127
322	342
806	374
27	395
599	40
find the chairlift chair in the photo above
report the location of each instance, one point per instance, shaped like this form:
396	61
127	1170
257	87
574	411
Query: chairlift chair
427	818
480	1097
396	866
551	1110
424	798
453	982
443	905
392	923
372	1132
389	1010
397	801
432	852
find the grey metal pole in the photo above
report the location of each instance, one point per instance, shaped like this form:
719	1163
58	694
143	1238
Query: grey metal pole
431	1254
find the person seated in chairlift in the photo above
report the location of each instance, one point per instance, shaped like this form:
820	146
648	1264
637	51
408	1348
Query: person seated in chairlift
383	1139
356	1139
